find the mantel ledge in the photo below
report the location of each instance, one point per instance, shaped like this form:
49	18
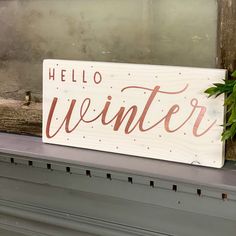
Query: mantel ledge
30	149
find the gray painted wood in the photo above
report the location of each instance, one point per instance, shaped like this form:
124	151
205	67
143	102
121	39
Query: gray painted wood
32	147
99	212
10	233
84	199
21	226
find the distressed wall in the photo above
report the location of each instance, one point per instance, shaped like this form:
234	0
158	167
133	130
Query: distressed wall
180	32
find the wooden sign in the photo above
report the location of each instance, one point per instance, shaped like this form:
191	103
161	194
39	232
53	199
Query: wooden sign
149	111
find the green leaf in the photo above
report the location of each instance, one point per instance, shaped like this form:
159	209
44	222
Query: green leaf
233	129
226	135
232	117
234	89
219	85
211	91
229	100
227	124
229	82
230	108
229	89
234	74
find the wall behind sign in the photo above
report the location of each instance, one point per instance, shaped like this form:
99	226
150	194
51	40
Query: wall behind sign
180	32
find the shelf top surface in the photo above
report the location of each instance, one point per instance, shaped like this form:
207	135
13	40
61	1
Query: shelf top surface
33	147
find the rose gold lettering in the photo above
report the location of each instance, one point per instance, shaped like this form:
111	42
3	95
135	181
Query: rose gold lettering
73	76
63	75
194	103
97	78
149	102
174	109
66	120
127	116
119	117
84	79
51	75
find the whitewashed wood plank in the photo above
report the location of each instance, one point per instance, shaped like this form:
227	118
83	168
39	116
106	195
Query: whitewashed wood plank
172	117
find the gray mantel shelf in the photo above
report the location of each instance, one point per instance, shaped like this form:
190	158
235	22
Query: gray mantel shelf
32	147
55	190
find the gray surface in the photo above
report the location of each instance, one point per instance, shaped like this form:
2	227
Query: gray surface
33	147
35	200
9	233
107	208
16	225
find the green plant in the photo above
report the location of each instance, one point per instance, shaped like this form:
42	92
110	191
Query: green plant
229	89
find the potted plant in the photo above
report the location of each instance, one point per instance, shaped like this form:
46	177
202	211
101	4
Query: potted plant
229	89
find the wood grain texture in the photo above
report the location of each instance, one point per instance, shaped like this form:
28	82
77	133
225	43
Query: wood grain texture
150	111
17	117
227	49
231	150
227	34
